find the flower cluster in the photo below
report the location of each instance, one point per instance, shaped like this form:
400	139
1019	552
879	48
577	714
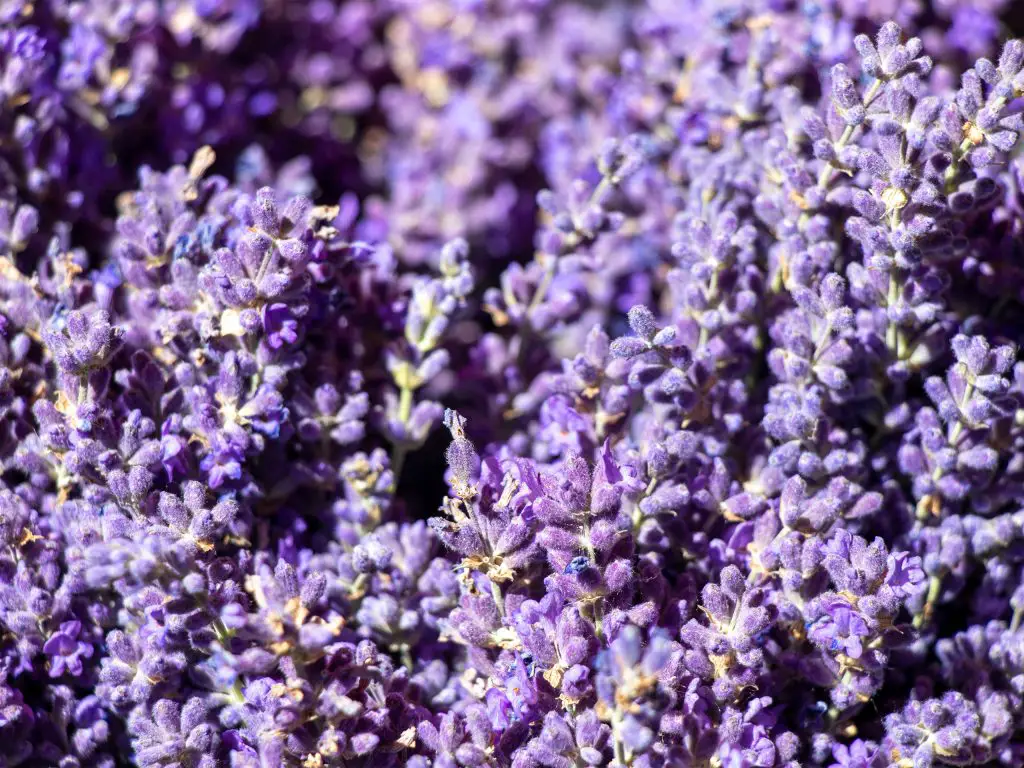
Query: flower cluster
511	384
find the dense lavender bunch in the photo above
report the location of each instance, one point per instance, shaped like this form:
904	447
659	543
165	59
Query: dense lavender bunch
511	384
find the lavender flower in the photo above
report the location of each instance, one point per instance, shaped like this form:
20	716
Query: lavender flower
719	304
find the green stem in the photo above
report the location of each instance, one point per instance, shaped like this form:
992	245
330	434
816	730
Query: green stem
269	261
638	516
542	287
235	694
934	587
405	404
598	604
499	599
221	632
400	449
958	428
891	299
398	454
620	748
826	173
572	241
359	585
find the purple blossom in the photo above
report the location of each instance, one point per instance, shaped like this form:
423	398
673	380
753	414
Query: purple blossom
718	303
66	651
